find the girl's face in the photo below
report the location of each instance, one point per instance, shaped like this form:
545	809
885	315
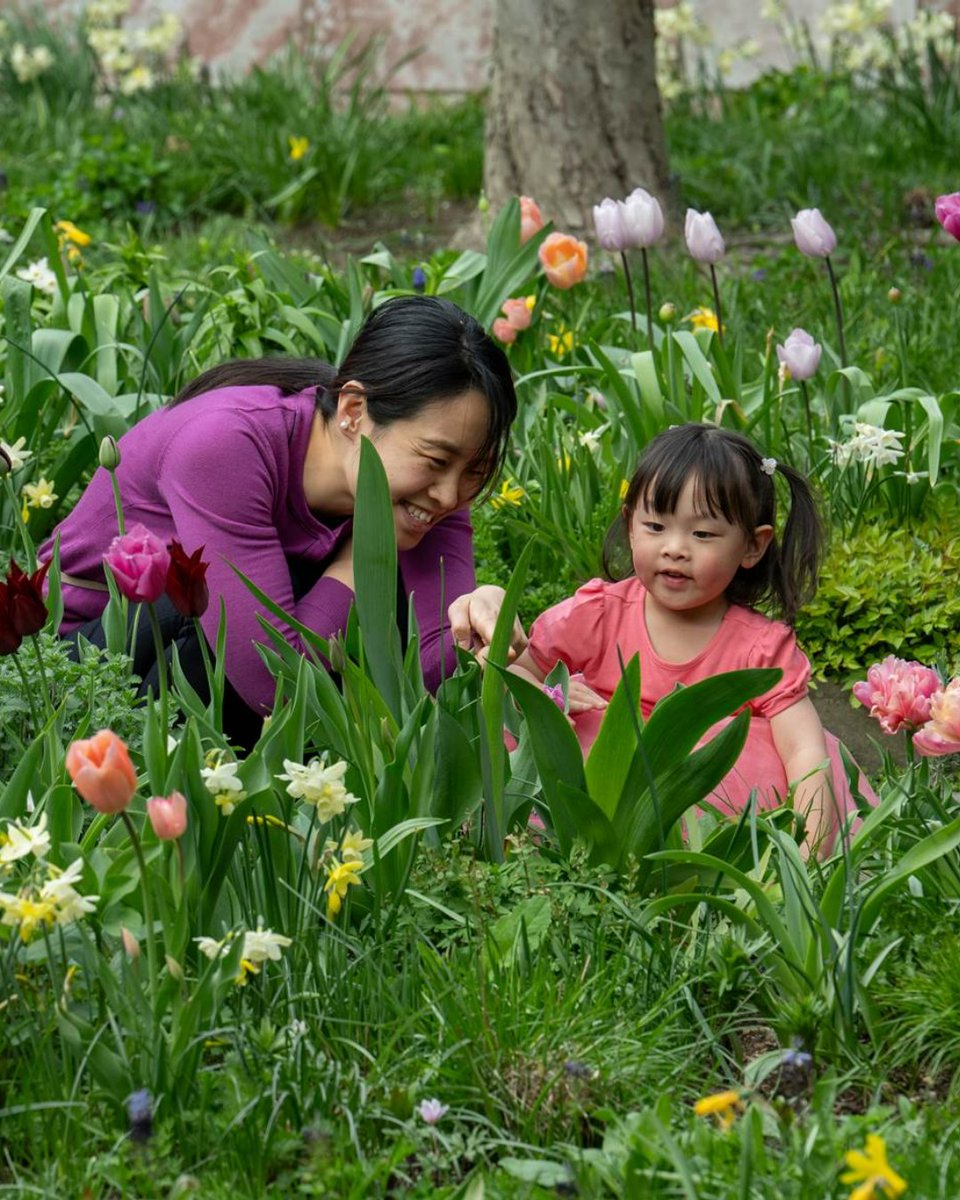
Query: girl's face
431	461
687	559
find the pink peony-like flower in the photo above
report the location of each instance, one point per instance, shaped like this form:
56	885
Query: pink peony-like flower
898	693
564	259
800	354
168	815
947	209
517	313
531	219
139	562
504	332
813	235
941	734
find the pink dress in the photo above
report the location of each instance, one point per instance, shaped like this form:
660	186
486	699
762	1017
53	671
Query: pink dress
587	631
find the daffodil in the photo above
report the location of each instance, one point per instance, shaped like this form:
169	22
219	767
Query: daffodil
298	147
869	1168
340	876
260	944
351	848
39	494
560	343
68	232
16	453
27	911
220	780
320	785
723	1105
703	318
624	488
531	302
510	493
21	840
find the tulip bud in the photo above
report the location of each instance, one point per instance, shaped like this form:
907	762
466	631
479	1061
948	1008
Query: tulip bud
642	219
894	295
504	332
531	218
703	238
176	971
109	453
168	815
608	221
668	313
800	355
812	234
130	943
483	204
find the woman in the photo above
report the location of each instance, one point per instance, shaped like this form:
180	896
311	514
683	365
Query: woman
257	463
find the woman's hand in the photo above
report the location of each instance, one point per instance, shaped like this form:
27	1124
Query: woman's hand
473	618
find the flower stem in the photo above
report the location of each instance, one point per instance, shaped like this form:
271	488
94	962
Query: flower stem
161	673
806	408
838	311
117	502
28	547
147	908
629	279
28	692
716	303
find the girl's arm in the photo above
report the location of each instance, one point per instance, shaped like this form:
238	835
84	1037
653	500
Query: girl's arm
798	738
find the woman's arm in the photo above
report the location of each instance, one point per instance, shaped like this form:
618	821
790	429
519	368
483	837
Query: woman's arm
799	741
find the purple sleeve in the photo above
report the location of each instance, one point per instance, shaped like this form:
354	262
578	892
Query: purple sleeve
435	573
223	492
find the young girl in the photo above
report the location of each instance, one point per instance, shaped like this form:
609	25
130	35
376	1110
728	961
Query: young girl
698	528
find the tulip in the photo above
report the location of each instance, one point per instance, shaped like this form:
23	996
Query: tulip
504	332
610	227
109	454
130	943
813	235
531	219
517	313
704	240
168	815
139	562
947	209
564	260
9	638
800	354
22	609
102	772
186	581
642	219
898	693
941	734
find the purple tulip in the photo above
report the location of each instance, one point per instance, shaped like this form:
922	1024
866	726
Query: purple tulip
947	209
800	354
704	240
812	234
608	220
139	562
642	219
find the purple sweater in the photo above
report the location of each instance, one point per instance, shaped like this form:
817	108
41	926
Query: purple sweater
224	471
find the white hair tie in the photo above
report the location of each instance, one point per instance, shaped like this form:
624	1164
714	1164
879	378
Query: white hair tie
768	465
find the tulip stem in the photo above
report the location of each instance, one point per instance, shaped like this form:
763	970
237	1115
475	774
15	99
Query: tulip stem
117	502
629	278
161	674
806	408
838	311
646	288
147	908
716	303
28	693
28	547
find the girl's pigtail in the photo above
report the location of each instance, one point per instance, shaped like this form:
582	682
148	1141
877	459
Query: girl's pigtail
797	569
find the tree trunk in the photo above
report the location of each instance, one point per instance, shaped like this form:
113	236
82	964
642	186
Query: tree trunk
574	111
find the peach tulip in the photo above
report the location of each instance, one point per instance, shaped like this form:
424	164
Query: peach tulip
564	260
504	332
168	815
941	734
531	219
517	313
102	772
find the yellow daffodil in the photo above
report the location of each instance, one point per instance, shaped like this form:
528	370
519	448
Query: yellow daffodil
624	488
531	302
28	913
703	318
298	147
869	1168
247	968
561	343
723	1105
39	494
68	232
351	848
340	876
510	493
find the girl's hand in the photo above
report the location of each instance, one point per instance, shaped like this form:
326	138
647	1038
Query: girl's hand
473	618
581	698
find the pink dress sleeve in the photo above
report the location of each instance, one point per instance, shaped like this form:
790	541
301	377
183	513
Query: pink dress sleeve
571	631
777	647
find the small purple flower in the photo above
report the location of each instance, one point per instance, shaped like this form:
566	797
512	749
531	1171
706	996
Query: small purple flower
920	260
759	275
140	1114
418	281
796	1058
432	1111
555	693
145	207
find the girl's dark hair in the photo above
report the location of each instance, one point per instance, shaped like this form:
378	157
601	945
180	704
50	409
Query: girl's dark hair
730	482
411	351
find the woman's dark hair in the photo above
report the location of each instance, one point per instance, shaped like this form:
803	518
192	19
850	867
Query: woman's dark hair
733	481
411	351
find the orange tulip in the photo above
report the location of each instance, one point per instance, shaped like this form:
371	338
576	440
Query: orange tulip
531	219
564	259
102	772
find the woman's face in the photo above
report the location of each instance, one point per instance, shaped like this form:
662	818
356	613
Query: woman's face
432	462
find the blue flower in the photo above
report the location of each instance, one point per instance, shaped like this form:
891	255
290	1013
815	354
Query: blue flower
419	279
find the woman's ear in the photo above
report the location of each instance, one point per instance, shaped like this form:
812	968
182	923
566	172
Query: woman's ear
762	536
351	406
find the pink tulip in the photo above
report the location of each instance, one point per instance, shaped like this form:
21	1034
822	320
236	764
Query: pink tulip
813	235
102	772
941	734
609	224
564	260
504	332
517	313
947	209
704	240
168	815
898	693
139	562
531	219
800	354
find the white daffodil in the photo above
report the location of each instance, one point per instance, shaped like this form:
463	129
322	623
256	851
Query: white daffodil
260	944
16	453
39	274
22	840
319	785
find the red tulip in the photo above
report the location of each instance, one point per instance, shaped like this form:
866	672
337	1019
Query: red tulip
102	772
186	581
27	610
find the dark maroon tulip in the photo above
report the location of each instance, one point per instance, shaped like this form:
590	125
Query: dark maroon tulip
9	638
187	582
25	603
